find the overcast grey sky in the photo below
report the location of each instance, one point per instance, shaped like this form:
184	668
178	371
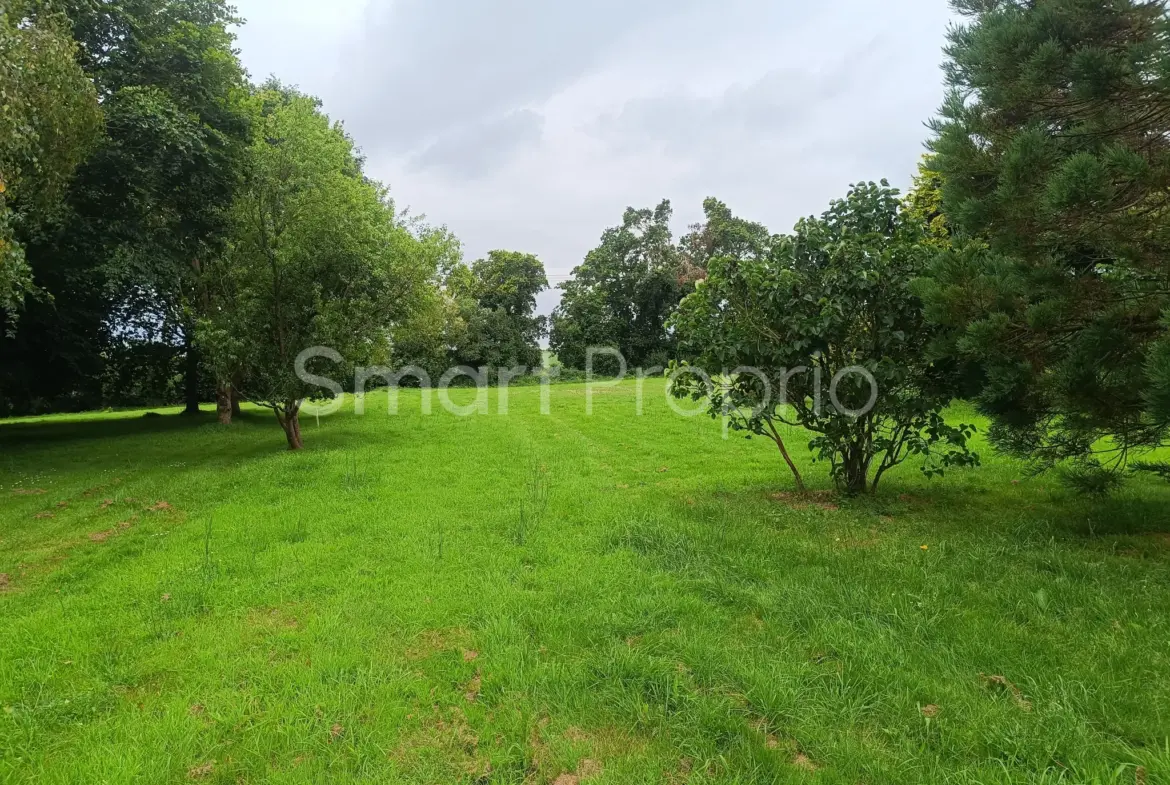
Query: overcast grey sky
531	124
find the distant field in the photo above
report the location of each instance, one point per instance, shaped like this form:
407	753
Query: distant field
183	602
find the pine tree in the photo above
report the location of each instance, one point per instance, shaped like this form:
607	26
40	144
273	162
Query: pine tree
1053	150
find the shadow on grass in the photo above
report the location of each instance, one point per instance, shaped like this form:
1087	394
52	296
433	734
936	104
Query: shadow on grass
1121	517
1014	510
15	434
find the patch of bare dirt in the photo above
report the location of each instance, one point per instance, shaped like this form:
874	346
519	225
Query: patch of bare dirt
930	711
160	506
470	655
473	688
573	733
588	768
29	491
114	532
1001	685
820	500
431	642
273	619
453	737
680	775
773	742
201	771
4	581
44	516
802	761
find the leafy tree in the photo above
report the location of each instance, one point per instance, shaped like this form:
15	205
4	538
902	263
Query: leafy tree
924	204
177	135
425	337
496	301
1054	154
317	259
821	330
622	294
509	281
49	122
147	206
720	234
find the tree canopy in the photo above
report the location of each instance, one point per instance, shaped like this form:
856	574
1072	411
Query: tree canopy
146	206
49	123
622	294
317	258
820	330
496	301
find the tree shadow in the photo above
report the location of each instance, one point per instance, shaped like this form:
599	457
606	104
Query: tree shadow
1024	511
59	431
1121	517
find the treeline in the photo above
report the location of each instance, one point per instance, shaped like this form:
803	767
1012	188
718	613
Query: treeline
168	229
171	232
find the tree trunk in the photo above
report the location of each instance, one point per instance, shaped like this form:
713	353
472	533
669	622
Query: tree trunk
776	437
290	421
235	401
192	376
223	403
854	478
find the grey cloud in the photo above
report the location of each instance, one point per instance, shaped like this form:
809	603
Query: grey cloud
473	151
784	101
783	145
531	124
423	67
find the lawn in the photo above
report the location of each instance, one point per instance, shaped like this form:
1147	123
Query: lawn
560	599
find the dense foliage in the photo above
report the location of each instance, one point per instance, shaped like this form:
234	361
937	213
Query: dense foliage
622	294
821	330
50	120
1053	152
495	301
474	316
119	262
317	258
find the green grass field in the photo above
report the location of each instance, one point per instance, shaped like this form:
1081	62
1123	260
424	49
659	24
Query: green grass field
185	602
